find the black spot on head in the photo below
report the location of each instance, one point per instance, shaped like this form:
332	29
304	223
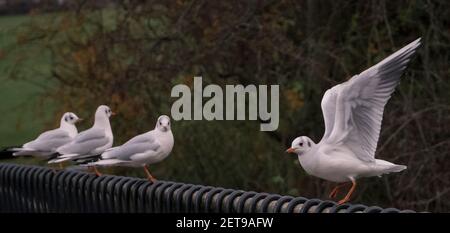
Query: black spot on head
309	143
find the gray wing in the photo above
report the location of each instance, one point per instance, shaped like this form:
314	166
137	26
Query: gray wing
357	105
142	138
90	134
139	144
329	110
85	142
48	145
52	134
49	141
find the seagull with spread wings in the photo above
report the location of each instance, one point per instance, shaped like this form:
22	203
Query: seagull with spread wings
352	112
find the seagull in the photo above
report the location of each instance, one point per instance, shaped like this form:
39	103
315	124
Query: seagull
93	141
352	112
45	144
147	148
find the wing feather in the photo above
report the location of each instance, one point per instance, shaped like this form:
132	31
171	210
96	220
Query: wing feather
85	142
140	144
49	140
353	110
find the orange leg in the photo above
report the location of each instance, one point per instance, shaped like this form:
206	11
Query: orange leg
149	176
347	197
335	191
96	171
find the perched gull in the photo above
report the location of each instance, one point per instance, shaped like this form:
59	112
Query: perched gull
144	149
45	145
93	141
352	113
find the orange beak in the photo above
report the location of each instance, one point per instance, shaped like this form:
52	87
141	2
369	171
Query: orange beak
113	113
79	119
290	150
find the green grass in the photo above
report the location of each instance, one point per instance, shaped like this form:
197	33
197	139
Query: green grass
19	98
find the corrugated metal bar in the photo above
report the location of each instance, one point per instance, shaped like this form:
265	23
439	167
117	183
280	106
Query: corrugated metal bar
41	190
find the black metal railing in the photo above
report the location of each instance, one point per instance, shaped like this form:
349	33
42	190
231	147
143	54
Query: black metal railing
40	189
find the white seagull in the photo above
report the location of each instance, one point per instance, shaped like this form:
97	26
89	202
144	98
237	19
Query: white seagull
148	148
93	141
352	113
45	144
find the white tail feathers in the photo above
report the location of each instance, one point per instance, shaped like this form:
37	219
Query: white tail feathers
396	168
20	152
63	158
30	152
57	160
68	156
107	162
385	167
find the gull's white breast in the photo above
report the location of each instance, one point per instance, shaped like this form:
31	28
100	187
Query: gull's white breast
333	163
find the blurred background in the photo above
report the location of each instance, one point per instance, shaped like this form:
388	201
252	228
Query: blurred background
58	56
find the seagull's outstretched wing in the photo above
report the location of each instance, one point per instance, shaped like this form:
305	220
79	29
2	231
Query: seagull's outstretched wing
85	142
144	143
353	110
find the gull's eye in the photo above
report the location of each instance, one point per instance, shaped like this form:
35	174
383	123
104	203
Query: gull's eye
160	123
300	144
71	117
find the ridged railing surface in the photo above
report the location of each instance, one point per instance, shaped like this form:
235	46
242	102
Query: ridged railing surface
40	189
